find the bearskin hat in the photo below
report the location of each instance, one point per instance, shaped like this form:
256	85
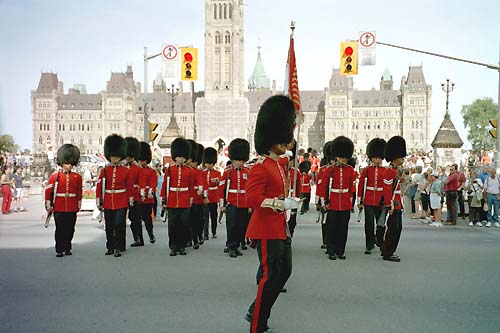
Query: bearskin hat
68	154
239	150
194	149
145	152
304	166
133	147
352	162
395	148
115	145
375	148
210	155
275	123
341	147
327	152
199	154
180	148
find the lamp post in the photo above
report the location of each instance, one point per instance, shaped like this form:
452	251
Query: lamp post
447	89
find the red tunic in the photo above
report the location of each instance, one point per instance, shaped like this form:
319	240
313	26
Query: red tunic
180	187
305	180
236	195
148	180
267	179
341	187
373	176
323	173
133	175
315	164
69	191
199	180
118	189
211	185
390	179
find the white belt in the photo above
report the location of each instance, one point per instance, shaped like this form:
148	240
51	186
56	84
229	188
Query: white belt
213	188
66	195
306	184
116	191
377	189
236	191
397	192
179	189
340	190
135	185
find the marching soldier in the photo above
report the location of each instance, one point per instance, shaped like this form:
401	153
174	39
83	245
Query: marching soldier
267	189
211	178
233	196
176	196
395	152
114	193
199	199
305	181
148	180
134	214
336	189
370	194
67	199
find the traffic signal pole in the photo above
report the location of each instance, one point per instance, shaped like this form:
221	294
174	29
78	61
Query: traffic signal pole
145	111
490	66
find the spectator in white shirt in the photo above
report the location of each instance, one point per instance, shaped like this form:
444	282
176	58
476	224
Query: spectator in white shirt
492	189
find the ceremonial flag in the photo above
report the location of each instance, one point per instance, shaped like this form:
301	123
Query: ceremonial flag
291	80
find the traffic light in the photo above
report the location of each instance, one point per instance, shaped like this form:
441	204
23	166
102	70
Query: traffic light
349	58
493	132
189	64
152	135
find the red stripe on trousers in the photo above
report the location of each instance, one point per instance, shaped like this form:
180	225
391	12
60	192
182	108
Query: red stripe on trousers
262	282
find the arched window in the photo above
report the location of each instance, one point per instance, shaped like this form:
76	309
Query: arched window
230	11
63	128
227	37
220	11
217	37
215	12
48	127
40	127
40	140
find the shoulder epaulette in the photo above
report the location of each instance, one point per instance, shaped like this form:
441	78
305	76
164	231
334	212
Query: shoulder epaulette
260	160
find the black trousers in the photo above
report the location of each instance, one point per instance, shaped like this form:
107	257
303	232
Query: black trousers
237	223
292	222
451	200
178	224
275	257
65	229
134	215
393	233
337	229
372	214
146	210
461	203
210	213
305	203
197	223
115	226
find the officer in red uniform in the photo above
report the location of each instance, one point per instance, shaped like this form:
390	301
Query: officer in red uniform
211	178
395	152
176	195
266	193
306	179
114	193
232	188
336	189
148	180
68	197
370	193
315	163
325	168
134	214
199	199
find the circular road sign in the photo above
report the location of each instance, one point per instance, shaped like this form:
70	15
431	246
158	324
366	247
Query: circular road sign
169	52
367	39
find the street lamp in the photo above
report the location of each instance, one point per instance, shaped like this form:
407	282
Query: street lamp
447	89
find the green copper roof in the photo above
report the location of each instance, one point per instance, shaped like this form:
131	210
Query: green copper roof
259	79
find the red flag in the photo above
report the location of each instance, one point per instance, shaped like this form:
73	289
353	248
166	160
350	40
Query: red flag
293	82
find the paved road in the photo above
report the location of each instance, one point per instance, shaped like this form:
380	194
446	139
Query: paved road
447	282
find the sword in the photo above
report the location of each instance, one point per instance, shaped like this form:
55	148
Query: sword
392	200
47	219
164	215
49	215
221	213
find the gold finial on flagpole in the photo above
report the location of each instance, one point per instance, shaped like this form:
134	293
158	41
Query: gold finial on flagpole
292	26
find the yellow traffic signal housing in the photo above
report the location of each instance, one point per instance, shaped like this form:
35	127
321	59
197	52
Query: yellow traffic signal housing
349	58
152	135
189	64
493	132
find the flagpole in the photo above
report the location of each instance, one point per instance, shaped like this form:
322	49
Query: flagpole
298	120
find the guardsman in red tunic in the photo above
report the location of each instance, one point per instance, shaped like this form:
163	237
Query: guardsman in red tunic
199	199
325	168
315	163
233	196
148	180
114	193
211	178
336	189
370	194
68	197
395	152
267	195
134	214
306	180
176	195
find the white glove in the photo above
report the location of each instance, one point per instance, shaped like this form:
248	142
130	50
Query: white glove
292	203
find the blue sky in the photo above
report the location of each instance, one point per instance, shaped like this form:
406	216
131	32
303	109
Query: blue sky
84	41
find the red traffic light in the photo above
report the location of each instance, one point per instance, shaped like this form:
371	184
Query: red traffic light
348	51
188	57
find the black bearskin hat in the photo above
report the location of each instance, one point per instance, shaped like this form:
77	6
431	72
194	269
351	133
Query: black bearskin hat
395	148
352	162
327	152
375	148
180	148
145	152
199	154
68	154
304	166
133	147
275	123
115	145
194	149
239	150
341	147
210	155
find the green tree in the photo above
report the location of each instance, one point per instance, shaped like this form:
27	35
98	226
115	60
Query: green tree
476	119
7	143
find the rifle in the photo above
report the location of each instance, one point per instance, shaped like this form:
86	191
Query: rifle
52	201
164	213
228	184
